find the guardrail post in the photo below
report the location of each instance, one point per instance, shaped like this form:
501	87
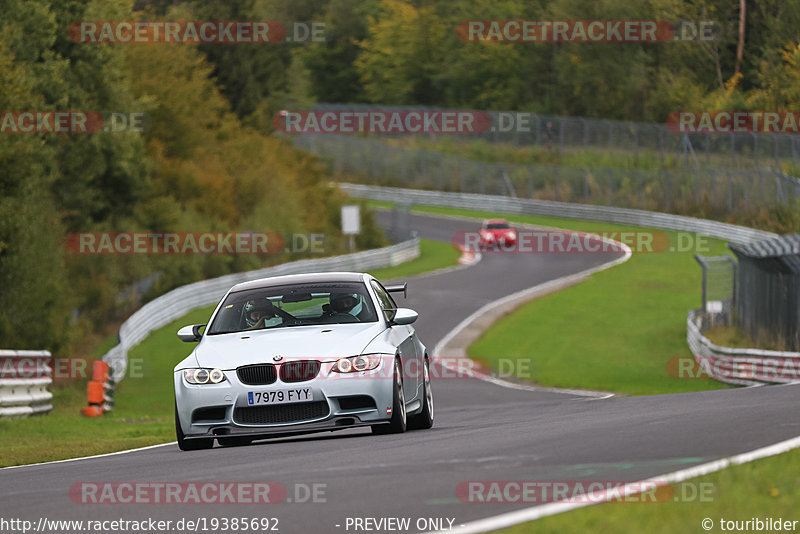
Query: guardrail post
24	378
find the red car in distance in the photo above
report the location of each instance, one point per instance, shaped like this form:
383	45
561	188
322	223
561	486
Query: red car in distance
497	232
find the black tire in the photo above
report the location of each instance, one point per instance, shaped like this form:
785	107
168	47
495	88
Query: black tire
397	424
235	441
190	444
424	419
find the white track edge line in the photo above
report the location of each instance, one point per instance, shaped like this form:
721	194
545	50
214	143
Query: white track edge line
537	512
65	460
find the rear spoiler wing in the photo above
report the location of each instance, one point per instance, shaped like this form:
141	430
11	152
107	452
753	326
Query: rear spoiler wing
398	288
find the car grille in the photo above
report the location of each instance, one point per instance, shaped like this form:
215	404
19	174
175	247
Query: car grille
281	413
299	371
257	375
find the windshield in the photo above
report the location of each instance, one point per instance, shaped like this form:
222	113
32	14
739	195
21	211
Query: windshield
294	305
497	226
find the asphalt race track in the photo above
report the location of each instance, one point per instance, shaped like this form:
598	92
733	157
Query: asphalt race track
483	432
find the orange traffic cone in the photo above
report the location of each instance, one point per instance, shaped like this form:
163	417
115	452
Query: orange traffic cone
99	402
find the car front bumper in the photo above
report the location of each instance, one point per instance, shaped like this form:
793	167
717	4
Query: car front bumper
226	401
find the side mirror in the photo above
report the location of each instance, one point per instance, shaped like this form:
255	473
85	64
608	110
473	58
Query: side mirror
191	333
404	316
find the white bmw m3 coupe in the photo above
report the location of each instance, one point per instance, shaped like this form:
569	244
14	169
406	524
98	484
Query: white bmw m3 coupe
299	354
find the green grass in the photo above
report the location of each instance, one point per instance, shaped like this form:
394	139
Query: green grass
615	332
143	413
434	255
539	155
729	336
764	488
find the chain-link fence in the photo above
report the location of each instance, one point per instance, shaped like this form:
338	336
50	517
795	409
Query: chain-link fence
648	144
715	190
719	273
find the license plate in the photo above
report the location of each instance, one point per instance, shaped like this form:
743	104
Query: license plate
279	396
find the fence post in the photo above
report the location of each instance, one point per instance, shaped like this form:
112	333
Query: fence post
730	191
755	150
775	146
610	134
555	183
713	186
586	185
585	132
695	182
668	190
639	186
531	184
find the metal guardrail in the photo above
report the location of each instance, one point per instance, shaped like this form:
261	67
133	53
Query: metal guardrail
744	367
522	206
176	303
24	378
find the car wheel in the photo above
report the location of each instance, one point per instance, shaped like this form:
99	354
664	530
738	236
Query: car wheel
424	419
190	444
397	424
236	441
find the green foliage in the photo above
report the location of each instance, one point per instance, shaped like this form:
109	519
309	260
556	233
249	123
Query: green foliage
197	167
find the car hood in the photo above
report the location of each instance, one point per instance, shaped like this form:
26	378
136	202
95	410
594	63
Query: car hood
322	342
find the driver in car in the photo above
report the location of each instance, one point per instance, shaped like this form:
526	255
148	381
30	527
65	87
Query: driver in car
257	312
345	304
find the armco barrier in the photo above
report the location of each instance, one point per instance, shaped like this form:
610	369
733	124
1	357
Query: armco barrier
744	367
24	377
523	206
176	303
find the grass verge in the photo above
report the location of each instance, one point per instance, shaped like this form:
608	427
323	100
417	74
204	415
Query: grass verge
759	489
434	255
143	414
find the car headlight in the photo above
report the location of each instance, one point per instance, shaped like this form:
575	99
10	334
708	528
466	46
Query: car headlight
204	376
510	235
356	364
